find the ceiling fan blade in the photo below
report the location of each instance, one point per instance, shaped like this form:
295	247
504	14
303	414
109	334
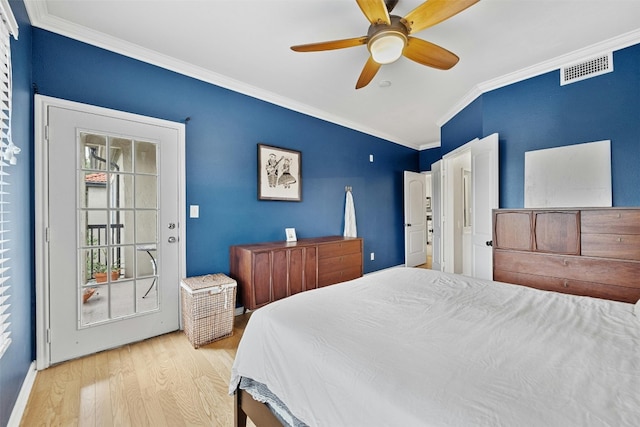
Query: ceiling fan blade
331	45
368	72
429	54
432	12
375	11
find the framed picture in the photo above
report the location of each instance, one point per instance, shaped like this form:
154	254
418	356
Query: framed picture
279	174
291	234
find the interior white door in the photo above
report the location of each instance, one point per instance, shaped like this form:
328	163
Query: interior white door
114	184
485	187
415	219
436	207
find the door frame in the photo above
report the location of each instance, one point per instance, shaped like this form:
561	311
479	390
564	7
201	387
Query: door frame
437	196
41	172
448	199
452	197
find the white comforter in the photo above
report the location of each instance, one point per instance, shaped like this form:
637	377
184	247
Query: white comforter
414	347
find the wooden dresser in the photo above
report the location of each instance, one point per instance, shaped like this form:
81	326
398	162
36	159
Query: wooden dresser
593	252
267	272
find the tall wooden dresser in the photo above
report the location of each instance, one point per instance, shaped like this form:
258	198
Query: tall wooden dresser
267	272
593	251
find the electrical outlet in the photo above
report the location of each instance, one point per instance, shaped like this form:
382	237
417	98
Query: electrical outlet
371	158
373	256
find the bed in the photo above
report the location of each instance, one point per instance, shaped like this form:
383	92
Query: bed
409	347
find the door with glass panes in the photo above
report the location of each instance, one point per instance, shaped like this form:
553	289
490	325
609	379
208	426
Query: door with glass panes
114	253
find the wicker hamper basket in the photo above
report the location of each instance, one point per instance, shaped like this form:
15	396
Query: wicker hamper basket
208	305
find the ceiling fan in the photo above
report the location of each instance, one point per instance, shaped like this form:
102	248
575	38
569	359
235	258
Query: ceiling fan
389	36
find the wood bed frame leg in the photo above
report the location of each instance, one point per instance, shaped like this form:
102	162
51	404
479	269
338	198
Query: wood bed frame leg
246	407
239	417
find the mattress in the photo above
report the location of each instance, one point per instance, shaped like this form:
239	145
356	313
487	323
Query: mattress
408	347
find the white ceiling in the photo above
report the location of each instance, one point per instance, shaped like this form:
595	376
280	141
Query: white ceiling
244	45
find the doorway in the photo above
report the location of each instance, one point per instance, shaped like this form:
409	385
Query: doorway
458	229
468	193
109	241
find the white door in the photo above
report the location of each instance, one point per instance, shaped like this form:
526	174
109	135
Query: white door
415	219
113	190
436	207
484	182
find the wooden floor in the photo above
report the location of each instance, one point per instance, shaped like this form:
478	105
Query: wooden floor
429	259
162	381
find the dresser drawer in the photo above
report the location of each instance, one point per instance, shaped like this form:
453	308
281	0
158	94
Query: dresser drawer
332	277
575	287
339	248
327	265
557	232
611	272
512	230
620	246
611	221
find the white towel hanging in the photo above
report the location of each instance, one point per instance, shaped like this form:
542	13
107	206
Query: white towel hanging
350	229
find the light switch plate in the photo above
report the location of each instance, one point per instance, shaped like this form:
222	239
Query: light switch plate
194	211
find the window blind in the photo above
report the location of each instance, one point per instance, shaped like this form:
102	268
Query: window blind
8	152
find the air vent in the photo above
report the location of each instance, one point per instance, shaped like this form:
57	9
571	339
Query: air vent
586	69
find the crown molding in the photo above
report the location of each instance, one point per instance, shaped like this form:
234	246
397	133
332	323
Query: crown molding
39	17
429	145
606	46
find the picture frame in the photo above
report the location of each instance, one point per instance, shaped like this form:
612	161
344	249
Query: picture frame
291	234
279	173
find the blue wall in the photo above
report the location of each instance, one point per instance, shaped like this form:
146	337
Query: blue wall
465	126
15	362
539	113
221	155
428	157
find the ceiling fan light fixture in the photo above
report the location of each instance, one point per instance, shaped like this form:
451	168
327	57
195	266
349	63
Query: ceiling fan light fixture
386	47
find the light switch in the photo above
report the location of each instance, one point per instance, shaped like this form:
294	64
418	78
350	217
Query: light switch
194	211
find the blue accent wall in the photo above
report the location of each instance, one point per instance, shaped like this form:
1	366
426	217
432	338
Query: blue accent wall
221	155
16	361
463	127
538	113
429	157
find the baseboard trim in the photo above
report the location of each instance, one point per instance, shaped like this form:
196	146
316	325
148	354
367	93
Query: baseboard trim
23	396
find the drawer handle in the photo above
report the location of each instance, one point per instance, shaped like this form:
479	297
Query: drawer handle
619	239
565	284
564	262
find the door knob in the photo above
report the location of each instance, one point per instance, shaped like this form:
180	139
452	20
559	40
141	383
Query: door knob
172	239
408	225
489	243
